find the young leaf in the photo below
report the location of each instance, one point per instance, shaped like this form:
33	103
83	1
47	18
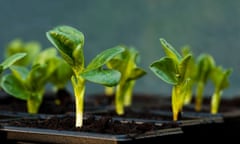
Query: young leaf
165	69
104	57
69	41
136	73
14	87
104	77
12	59
170	51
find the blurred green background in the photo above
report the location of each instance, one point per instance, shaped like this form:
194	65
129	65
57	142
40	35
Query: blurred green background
208	26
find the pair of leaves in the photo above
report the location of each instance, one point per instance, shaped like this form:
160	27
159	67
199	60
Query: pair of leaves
22	82
172	67
69	41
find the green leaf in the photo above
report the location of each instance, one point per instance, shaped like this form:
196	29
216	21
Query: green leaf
220	77
69	41
104	57
14	87
39	73
136	73
115	63
12	59
170	50
104	77
20	72
183	66
165	69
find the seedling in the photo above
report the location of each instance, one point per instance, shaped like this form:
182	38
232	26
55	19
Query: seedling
69	42
172	69
205	64
126	63
219	76
29	85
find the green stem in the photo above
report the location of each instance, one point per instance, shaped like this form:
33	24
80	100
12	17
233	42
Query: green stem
199	96
109	91
176	102
188	97
215	101
79	91
34	102
128	93
119	100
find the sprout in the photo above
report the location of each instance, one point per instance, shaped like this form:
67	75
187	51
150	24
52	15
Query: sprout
205	64
29	84
172	69
126	63
219	76
70	42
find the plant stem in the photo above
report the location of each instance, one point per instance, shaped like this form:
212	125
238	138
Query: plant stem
177	101
215	101
119	100
79	91
188	97
109	91
34	102
199	96
128	93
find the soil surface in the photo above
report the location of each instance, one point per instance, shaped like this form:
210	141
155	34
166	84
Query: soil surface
158	115
104	124
62	102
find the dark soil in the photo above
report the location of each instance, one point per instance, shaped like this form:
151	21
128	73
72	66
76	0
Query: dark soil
226	105
102	125
159	115
103	122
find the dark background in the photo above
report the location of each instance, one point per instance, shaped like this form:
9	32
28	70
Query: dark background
208	26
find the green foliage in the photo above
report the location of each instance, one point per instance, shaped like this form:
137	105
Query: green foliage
126	63
205	64
9	61
70	42
172	69
208	70
29	83
219	77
